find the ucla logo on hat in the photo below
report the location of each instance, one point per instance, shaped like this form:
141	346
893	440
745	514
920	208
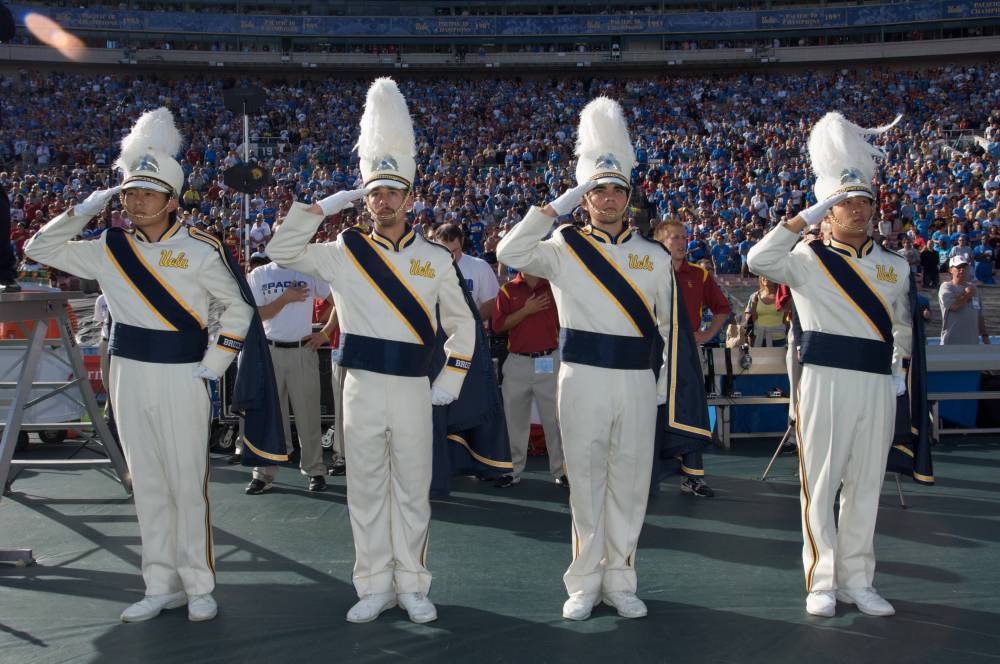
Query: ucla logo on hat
385	163
608	162
850	175
146	163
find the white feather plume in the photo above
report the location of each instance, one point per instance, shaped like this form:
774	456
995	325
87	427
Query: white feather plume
153	131
603	129
386	126
837	144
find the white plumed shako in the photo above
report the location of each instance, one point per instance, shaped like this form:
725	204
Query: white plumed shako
147	158
386	146
603	148
842	158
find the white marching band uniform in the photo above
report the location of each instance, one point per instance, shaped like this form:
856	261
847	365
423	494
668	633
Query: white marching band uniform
847	393
162	409
387	414
845	417
607	415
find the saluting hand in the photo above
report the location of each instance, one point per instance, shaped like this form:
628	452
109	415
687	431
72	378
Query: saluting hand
814	214
569	201
341	200
96	202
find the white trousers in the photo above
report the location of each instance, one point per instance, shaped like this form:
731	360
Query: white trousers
388	445
163	422
608	421
521	385
337	376
794	369
296	372
845	425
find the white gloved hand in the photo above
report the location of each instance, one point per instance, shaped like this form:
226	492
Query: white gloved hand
97	201
900	385
201	371
340	201
661	399
814	214
571	199
440	396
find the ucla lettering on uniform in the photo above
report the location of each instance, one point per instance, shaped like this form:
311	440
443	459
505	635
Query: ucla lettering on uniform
884	273
636	263
167	259
421	270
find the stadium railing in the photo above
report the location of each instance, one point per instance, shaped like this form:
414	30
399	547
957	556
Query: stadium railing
940	359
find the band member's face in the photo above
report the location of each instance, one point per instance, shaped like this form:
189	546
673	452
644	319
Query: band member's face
606	203
388	205
854	212
145	206
675	241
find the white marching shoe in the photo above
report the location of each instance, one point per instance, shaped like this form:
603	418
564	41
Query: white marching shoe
371	607
202	607
868	601
821	603
418	607
627	604
579	606
150	606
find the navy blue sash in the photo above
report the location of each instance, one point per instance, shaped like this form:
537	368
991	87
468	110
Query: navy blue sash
157	346
255	391
856	289
609	351
381	274
148	284
395	358
843	352
910	453
610	277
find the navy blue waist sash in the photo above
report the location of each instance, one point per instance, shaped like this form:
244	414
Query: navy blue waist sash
396	358
842	352
157	346
610	351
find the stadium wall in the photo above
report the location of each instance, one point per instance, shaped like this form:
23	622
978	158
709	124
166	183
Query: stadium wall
143	59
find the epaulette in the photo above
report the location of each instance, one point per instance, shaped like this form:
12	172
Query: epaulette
207	238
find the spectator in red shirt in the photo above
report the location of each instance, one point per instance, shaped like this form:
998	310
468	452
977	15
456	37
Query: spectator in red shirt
524	308
699	291
698	285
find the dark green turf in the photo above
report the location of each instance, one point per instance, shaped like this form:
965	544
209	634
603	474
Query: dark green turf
722	576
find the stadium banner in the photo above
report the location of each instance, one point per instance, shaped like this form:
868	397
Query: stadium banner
514	26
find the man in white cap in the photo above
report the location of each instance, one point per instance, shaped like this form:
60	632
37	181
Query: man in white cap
962	319
157	281
614	294
386	286
852	300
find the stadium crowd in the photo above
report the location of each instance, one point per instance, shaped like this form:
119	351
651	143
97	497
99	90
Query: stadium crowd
722	153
